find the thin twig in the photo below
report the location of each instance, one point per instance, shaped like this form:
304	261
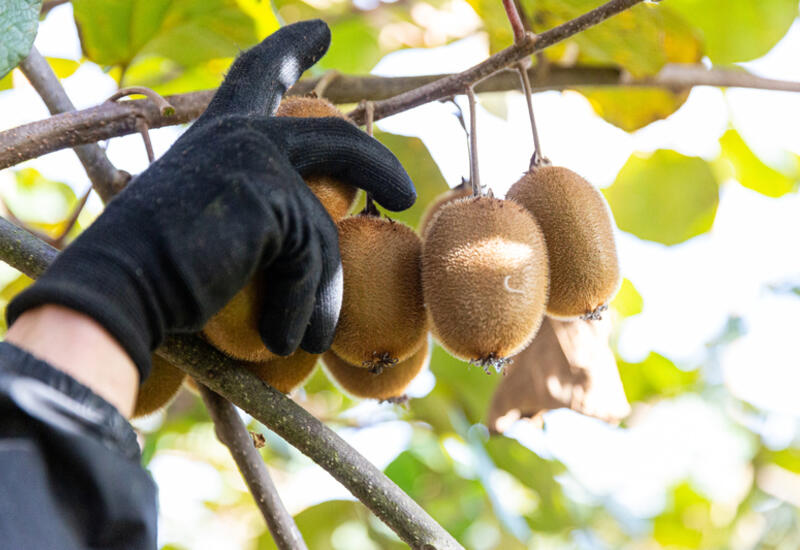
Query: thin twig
148	145
73	219
232	432
277	412
49	5
369	204
104	177
474	175
325	81
164	106
516	22
119	119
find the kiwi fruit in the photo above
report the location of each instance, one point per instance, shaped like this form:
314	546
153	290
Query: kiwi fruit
460	191
234	329
159	388
576	223
485	278
285	374
383	319
389	384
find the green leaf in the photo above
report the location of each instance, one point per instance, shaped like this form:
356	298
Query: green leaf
631	109
354	47
343	521
665	197
453	501
641	39
418	162
63	67
750	171
740	30
628	301
459	386
686	519
788	459
656	376
35	198
7	82
185	31
19	20
538	474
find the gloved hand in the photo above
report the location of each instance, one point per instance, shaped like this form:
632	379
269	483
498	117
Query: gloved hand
225	202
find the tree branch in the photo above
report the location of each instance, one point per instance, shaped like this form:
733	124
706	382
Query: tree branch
232	432
277	412
106	179
456	84
110	120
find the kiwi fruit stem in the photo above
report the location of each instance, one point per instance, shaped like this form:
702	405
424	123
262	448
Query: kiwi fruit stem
474	176
537	157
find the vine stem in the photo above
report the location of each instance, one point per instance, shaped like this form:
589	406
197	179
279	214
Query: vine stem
105	178
516	21
110	120
369	204
298	427
474	175
537	157
232	432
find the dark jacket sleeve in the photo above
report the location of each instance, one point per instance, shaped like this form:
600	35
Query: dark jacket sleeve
70	476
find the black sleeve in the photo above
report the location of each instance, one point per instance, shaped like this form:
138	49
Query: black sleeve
70	476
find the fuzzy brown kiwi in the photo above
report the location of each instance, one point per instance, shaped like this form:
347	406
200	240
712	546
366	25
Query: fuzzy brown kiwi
460	191
337	197
234	329
485	278
577	226
383	318
159	387
286	373
390	383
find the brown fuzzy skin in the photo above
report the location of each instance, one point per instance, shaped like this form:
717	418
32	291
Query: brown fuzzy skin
383	318
460	192
307	107
159	388
390	383
234	329
485	278
286	374
576	222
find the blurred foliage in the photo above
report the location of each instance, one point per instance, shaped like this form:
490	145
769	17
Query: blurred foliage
489	492
665	197
654	377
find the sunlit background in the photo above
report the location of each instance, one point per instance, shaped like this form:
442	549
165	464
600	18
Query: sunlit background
705	330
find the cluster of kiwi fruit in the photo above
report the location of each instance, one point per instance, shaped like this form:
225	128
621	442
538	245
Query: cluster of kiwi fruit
480	276
381	340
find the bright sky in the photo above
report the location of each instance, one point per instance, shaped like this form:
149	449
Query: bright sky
689	290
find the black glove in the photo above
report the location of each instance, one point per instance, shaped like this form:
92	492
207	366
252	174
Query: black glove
226	201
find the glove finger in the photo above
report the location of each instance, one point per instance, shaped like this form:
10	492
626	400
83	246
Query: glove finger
290	283
321	330
261	75
333	147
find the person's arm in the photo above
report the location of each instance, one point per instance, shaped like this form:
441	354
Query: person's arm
78	345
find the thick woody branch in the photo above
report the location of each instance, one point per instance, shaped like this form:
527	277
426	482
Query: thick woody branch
110	120
232	432
105	179
280	414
